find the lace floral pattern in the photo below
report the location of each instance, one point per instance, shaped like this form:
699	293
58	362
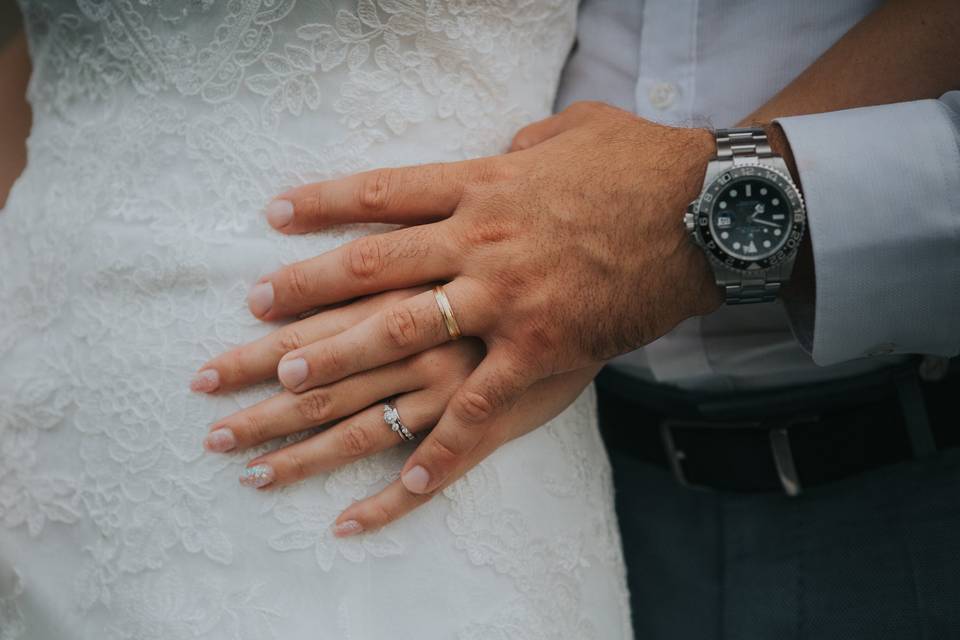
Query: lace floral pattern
160	129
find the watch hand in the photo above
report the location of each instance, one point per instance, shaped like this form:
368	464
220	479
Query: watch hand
766	222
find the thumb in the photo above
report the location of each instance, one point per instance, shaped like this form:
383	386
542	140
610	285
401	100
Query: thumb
491	389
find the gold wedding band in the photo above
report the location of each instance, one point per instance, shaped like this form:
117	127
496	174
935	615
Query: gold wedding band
447	312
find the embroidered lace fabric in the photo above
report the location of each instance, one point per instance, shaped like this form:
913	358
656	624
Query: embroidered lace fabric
161	127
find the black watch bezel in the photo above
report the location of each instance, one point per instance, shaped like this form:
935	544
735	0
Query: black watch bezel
702	210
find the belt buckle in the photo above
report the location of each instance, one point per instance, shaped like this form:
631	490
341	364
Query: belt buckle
780	450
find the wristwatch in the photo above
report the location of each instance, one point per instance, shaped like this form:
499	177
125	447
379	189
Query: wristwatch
749	217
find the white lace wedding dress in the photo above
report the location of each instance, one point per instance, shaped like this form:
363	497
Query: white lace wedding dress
161	128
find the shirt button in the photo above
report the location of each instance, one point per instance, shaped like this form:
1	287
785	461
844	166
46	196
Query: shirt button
662	94
883	349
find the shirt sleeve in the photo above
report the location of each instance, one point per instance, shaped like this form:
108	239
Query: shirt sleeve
882	190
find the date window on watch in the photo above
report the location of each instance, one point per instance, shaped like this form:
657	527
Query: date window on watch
724	221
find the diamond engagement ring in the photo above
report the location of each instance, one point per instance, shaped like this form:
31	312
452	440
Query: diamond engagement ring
392	417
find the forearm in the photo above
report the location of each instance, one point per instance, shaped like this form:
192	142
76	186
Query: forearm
15	115
904	51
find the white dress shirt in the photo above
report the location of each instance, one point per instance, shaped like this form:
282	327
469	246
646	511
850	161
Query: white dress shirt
881	184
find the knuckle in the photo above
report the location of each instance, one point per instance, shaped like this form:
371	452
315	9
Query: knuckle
290	339
254	429
401	327
299	281
333	362
382	513
440	454
316	205
314	405
374	194
364	258
355	441
297	465
472	407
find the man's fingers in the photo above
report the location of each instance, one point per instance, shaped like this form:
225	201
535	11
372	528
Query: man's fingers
404	329
257	361
490	389
394	260
359	436
542	130
404	195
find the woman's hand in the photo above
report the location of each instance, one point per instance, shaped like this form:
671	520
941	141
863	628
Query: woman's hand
352	408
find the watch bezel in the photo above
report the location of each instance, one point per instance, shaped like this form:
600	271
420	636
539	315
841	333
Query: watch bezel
714	250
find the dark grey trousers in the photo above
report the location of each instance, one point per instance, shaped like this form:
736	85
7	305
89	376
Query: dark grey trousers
872	557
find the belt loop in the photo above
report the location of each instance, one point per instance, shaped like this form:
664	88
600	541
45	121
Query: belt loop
914	410
783	458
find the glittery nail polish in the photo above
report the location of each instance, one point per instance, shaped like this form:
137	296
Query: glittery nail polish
257	476
205	381
347	528
220	440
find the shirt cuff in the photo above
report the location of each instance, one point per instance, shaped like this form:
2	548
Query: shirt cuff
881	187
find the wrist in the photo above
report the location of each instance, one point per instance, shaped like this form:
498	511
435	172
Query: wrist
801	284
781	146
705	296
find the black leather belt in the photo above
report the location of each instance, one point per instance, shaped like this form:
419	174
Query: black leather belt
780	440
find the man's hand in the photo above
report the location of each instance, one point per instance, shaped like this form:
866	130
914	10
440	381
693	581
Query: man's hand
561	255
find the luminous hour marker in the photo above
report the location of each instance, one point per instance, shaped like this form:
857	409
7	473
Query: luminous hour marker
748	190
763	191
750	248
724	235
776	232
733	193
736	246
778	216
766	244
775	201
723	204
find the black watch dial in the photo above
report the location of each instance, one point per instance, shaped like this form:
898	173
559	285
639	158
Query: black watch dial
750	218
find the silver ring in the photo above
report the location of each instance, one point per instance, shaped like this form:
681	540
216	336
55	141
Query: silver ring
392	417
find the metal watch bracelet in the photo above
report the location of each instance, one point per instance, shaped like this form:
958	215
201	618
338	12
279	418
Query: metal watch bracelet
745	146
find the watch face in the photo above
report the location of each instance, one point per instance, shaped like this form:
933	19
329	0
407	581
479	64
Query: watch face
750	218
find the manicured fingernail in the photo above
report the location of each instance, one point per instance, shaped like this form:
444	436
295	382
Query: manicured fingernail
260	298
347	528
279	213
257	476
205	381
416	480
293	372
220	440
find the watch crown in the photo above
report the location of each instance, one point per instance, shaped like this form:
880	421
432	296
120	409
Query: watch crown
689	221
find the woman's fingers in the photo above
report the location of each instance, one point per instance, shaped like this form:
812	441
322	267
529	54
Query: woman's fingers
359	436
404	329
405	195
257	361
542	130
288	413
375	263
395	501
540	403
